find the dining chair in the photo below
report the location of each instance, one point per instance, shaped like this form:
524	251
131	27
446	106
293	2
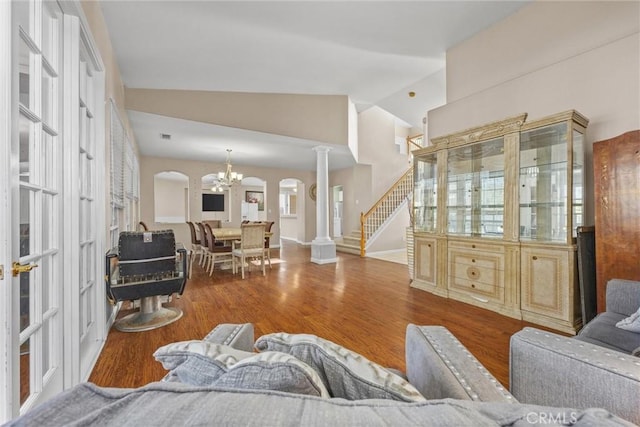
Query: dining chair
204	246
217	253
196	249
250	245
267	240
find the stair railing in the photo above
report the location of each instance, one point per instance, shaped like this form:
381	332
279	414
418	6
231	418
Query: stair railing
414	142
373	219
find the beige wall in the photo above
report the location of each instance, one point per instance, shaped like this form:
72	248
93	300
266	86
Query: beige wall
539	35
549	57
149	166
394	235
381	165
321	118
377	132
289	227
169	200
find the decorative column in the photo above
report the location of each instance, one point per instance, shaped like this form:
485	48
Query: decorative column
323	249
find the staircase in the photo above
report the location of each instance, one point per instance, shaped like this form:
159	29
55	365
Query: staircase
350	243
375	218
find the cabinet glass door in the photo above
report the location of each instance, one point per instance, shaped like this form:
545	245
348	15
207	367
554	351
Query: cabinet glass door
475	193
543	183
578	181
425	199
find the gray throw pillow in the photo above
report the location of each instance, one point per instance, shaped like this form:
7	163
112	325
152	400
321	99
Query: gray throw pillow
631	323
202	363
346	374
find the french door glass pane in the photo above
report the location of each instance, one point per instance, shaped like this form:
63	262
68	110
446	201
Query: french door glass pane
48	97
50	32
25	72
26	205
26	129
22	13
47	206
46	332
44	267
25	374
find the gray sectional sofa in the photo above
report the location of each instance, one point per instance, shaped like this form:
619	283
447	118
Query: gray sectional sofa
599	367
454	388
622	300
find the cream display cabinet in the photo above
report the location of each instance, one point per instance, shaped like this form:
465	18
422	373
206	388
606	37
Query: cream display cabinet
495	213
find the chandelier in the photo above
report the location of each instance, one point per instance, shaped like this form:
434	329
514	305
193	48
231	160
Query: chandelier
227	178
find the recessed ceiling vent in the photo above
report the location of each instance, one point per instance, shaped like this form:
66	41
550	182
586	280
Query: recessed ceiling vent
165	136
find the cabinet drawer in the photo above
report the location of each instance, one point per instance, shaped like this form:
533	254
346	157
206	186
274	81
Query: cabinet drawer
483	275
480	291
476	273
487	268
473	246
482	261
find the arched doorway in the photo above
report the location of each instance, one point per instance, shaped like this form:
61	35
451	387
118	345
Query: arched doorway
291	206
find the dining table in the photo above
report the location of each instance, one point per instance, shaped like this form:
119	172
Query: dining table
229	234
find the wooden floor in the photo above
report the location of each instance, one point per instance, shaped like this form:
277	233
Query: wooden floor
362	303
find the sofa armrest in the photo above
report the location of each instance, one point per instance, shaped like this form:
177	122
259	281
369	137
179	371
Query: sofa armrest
623	296
240	336
439	366
550	369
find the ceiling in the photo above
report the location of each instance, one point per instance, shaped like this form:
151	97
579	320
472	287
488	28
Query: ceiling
375	52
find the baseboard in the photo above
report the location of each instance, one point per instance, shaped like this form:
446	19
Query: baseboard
291	239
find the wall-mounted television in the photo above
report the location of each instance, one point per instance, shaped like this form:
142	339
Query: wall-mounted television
213	202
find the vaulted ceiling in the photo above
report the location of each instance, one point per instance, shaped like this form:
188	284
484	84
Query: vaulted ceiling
374	52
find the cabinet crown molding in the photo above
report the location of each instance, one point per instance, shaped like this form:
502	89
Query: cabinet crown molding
480	133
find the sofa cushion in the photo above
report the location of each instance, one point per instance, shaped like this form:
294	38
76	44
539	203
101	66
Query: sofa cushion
170	404
203	363
602	331
346	374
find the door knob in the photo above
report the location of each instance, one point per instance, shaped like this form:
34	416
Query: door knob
18	268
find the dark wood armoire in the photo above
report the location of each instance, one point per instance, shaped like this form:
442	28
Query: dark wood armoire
616	170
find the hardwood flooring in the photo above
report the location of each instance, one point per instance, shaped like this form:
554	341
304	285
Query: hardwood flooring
364	304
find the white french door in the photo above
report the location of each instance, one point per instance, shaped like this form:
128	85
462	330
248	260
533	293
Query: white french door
52	306
86	294
36	205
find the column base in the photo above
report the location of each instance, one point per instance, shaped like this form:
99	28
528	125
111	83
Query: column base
323	251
